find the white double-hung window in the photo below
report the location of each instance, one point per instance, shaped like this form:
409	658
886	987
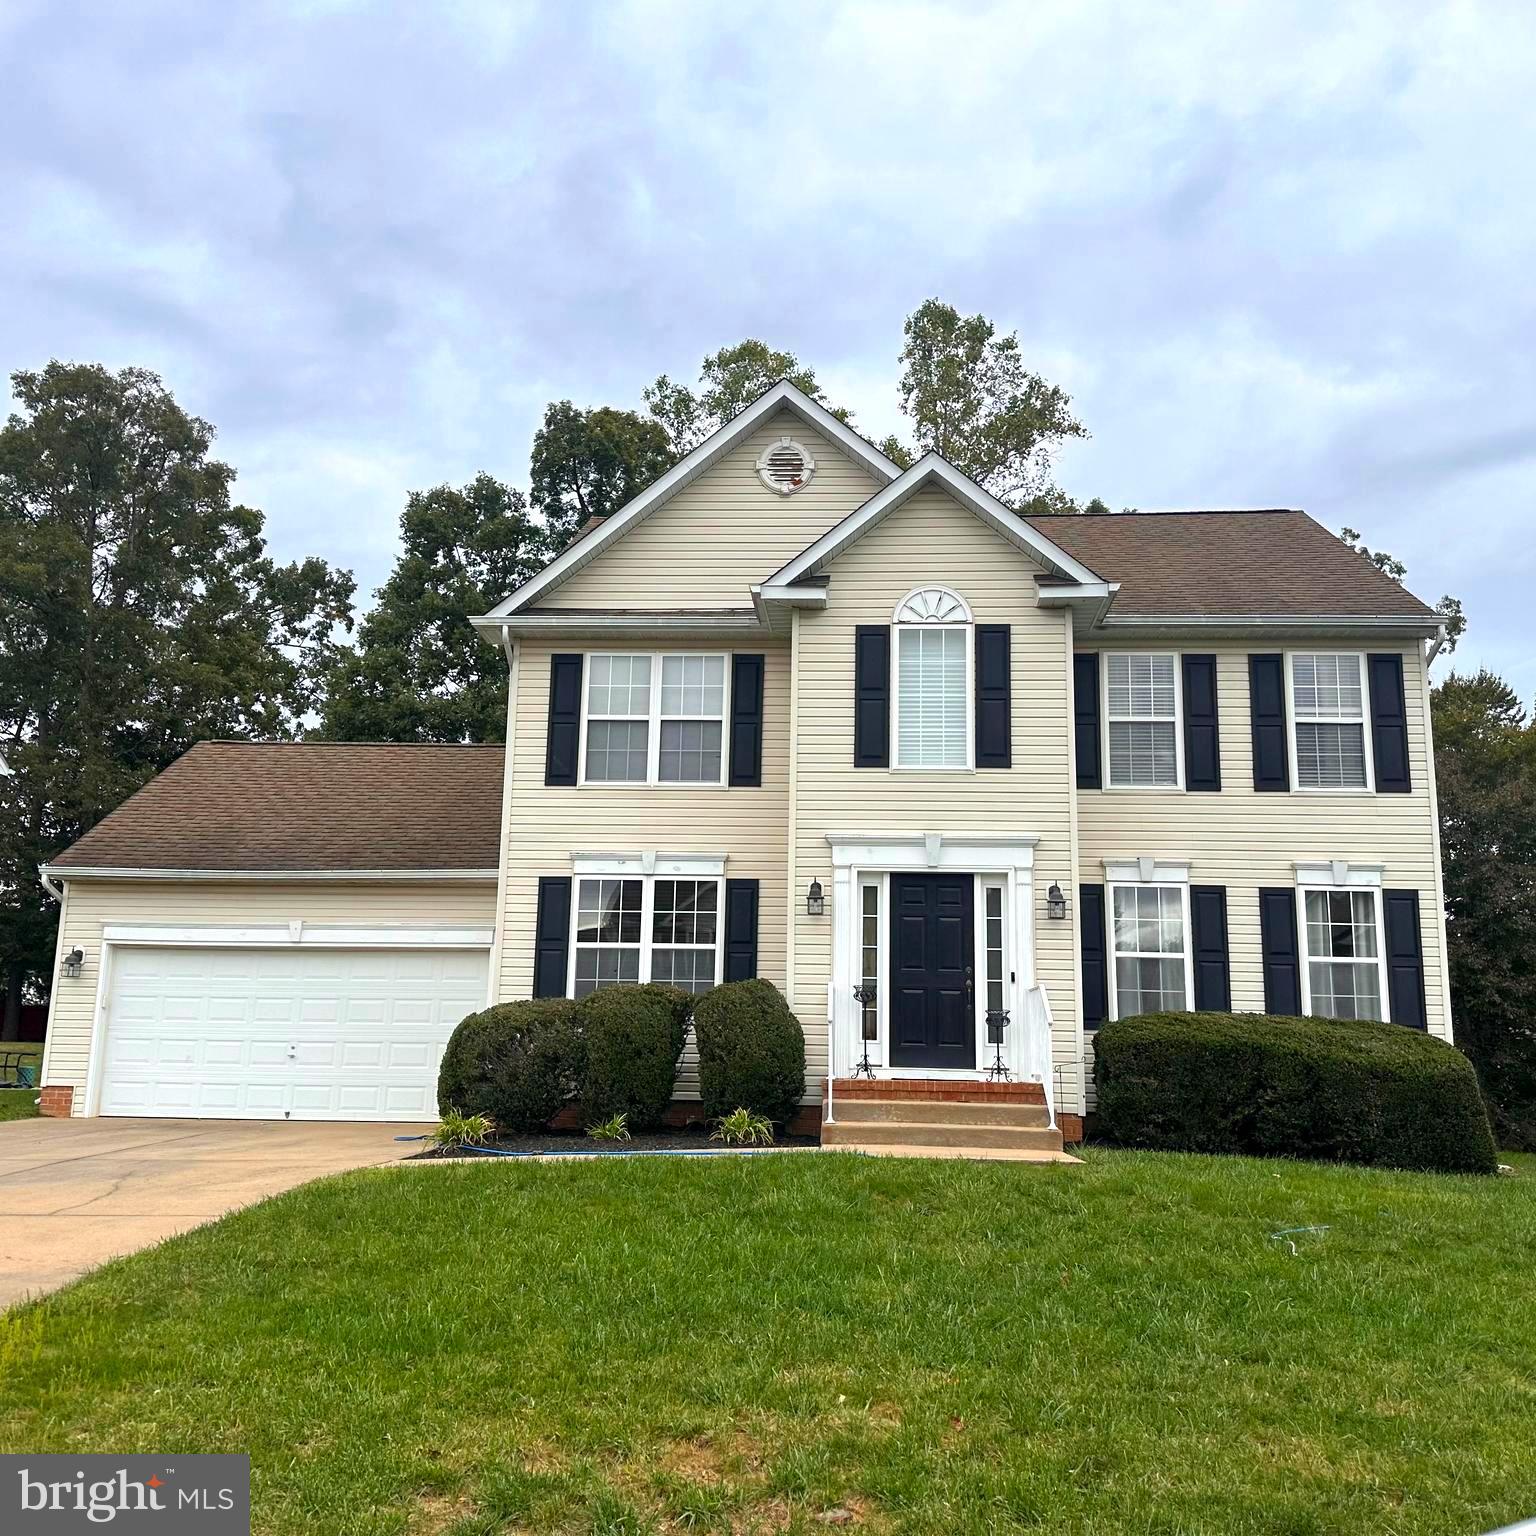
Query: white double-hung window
1344	973
632	929
1151	969
654	719
1328	717
1141	699
932	634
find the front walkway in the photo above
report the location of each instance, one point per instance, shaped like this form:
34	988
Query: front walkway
75	1193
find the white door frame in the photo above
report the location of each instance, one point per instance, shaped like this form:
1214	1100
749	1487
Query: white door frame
859	855
294	935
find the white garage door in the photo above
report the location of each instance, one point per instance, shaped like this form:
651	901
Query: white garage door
274	1034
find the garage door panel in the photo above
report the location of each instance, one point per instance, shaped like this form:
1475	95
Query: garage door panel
269	1034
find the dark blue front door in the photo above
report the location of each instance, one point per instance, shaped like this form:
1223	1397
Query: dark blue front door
933	1009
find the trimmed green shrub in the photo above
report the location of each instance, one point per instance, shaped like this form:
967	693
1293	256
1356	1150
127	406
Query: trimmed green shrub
517	1062
751	1051
632	1038
1338	1090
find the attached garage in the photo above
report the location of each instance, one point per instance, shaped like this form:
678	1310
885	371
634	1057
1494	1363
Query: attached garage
294	1033
276	932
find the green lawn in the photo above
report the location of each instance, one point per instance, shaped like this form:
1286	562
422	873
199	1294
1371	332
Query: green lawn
722	1345
21	1103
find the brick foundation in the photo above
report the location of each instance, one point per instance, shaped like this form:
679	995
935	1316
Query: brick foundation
56	1102
1071	1128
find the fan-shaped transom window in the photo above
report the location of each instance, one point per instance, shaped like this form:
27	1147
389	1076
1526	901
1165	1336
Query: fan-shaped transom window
933	680
932	605
786	466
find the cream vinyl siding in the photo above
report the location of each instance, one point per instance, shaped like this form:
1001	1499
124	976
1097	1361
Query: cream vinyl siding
546	824
90	904
933	540
723	533
1246	840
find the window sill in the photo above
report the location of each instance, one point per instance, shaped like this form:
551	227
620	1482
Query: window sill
1143	789
632	784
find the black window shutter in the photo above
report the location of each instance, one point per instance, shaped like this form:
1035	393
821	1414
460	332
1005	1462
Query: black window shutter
1405	958
994	697
1085	718
1282	959
746	721
563	742
551	936
1091	940
872	696
1389	724
1266	695
740	930
1213	974
1202	737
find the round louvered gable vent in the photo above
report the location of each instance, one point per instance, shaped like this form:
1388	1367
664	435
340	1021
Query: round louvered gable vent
785	467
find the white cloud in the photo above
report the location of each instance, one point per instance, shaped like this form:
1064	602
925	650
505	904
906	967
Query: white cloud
1278	254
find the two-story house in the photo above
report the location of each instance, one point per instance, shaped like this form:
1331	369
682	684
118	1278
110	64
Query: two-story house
941	772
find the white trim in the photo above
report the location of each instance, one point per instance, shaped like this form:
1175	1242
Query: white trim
1337	874
498	941
648	862
1302	892
861	857
1182	886
308	936
1293	720
783	396
979	852
1434	824
647	946
1144	870
1178	722
653	722
50	1034
806	460
929	468
918	623
1338	622
613	625
97	872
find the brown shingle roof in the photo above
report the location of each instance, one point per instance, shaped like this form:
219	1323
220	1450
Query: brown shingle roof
1230	563
233	805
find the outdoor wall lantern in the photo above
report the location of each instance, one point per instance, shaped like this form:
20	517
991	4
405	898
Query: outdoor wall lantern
1055	902
815	902
74	962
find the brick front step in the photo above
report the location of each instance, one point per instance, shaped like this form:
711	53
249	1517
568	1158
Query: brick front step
939	1134
910	1111
935	1089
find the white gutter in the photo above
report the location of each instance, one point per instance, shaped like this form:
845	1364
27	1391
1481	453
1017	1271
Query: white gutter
56	891
728	621
102	872
1336	621
1434	649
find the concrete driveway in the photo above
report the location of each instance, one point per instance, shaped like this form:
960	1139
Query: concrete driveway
74	1193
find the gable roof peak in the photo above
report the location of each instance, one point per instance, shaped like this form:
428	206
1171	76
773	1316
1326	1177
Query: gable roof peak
781	396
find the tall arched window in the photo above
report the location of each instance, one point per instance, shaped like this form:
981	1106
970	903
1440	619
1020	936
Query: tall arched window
933	679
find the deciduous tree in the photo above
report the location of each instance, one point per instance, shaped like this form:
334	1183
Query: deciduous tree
420	672
139	612
1485	766
587	464
972	400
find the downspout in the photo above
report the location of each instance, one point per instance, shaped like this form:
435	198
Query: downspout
56	891
1434	648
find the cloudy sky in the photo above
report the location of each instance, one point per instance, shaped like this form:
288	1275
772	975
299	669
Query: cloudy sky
1281	255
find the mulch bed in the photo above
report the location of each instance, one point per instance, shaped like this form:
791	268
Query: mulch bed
687	1139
